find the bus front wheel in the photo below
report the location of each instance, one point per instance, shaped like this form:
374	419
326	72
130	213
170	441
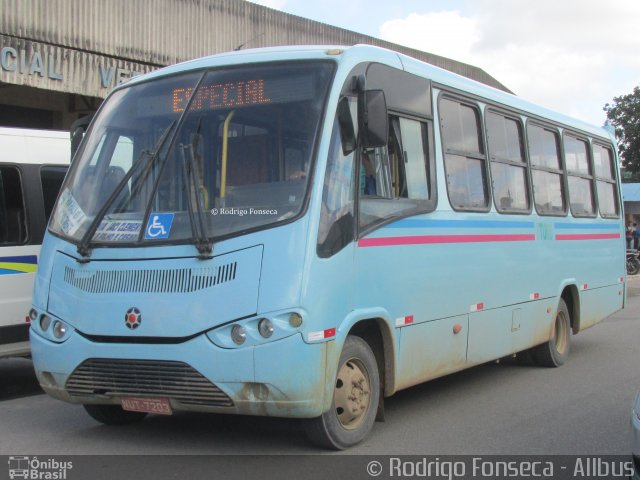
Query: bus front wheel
113	414
556	351
355	399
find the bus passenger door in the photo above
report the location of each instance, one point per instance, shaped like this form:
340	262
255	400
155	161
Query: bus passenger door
393	272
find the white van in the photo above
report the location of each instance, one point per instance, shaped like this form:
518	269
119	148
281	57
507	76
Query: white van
33	164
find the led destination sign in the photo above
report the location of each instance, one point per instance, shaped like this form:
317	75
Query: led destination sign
244	93
219	95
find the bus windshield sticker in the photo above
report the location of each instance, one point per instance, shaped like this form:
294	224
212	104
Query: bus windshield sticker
71	216
159	226
118	230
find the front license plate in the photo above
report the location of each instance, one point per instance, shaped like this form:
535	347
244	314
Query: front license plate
148	405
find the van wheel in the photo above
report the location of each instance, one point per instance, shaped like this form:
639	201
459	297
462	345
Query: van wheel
556	351
355	399
113	414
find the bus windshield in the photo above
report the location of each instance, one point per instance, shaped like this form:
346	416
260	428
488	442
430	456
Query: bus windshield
201	155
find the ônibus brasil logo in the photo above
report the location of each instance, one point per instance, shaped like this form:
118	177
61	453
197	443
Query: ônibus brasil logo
32	468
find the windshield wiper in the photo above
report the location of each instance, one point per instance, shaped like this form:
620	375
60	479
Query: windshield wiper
83	247
191	173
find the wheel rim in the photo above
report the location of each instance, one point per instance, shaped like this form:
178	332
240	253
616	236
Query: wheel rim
562	333
352	394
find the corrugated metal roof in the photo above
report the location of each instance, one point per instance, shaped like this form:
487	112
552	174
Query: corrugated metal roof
163	32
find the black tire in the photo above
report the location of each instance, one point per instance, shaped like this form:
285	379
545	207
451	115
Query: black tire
525	358
633	266
113	414
556	351
340	427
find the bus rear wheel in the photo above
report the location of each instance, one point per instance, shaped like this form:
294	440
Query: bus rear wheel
355	399
556	351
113	414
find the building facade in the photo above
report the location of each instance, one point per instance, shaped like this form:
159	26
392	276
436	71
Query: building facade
60	58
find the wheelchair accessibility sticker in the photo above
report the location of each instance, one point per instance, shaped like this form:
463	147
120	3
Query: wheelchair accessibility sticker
159	226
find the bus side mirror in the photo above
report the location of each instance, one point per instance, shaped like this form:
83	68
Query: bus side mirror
77	132
373	120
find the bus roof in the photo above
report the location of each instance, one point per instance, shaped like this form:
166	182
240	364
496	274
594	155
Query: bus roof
351	56
19	145
472	87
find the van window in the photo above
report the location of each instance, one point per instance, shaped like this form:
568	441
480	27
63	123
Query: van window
13	220
51	179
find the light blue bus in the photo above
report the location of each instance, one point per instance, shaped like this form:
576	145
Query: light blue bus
304	231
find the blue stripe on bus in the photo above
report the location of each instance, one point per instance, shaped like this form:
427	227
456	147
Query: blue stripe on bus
33	259
422	223
587	226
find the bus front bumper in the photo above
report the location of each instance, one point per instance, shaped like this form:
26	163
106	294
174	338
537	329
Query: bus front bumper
283	378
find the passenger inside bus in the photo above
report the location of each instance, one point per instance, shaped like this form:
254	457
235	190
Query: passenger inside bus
367	175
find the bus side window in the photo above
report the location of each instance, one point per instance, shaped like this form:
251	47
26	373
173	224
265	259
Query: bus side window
605	181
464	155
579	176
547	171
509	174
395	180
13	227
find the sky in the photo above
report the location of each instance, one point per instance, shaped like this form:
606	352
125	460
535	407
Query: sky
573	56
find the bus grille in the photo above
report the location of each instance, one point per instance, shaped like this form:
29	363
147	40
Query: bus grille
175	380
181	280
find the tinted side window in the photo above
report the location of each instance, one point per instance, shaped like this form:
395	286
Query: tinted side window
547	173
464	156
580	179
605	181
51	179
543	148
13	219
508	167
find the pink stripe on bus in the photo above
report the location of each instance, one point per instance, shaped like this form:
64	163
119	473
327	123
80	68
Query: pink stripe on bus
588	236
430	239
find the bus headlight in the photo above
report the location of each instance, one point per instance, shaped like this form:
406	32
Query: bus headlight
238	334
59	329
265	327
45	321
295	320
255	331
33	314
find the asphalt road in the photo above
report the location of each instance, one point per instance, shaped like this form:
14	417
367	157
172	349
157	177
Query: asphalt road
581	408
